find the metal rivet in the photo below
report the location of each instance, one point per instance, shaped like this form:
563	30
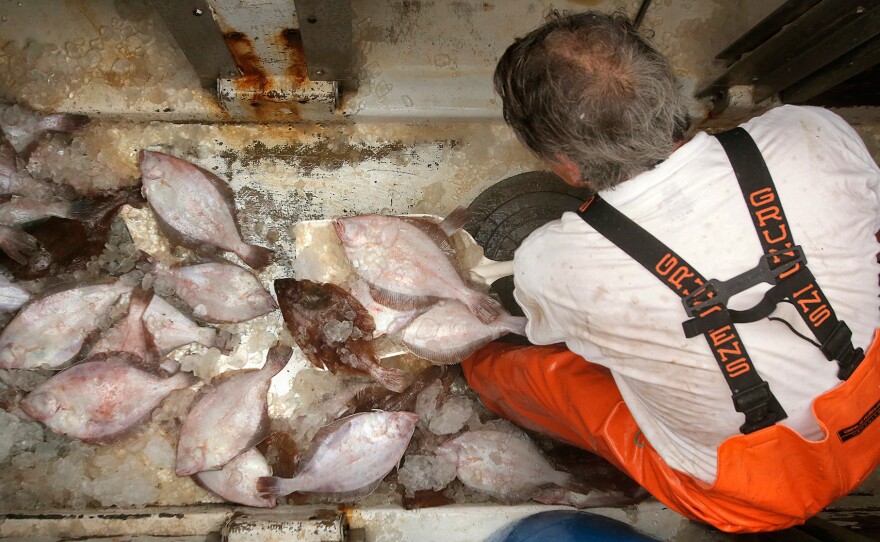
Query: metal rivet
319	72
860	10
312	19
197	12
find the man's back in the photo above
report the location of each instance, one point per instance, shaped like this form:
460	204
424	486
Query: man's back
579	288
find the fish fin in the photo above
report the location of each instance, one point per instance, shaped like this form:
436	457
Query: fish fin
274	486
455	220
398	301
277	359
451	356
17	244
437	236
484	307
255	256
346	496
395	380
86	209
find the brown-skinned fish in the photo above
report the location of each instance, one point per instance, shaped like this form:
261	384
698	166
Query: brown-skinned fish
228	418
333	329
194	207
101	399
220	293
51	330
171	329
348	458
409	263
448	332
237	481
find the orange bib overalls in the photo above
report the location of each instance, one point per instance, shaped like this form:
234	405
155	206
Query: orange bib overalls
768	478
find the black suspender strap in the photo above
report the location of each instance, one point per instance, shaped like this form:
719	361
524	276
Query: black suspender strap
751	394
795	282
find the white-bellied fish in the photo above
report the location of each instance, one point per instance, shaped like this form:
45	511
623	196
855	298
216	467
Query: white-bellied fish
19	211
15	178
504	464
229	417
333	329
448	332
194	207
348	458
221	293
101	399
237	481
17	244
408	263
50	330
23	126
12	295
172	329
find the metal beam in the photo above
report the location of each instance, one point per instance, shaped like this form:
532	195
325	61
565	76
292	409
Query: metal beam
827	16
823	51
764	30
193	27
326	29
853	63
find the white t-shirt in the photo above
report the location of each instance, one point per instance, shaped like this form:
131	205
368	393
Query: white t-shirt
579	288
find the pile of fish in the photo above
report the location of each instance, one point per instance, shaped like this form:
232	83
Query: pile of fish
108	341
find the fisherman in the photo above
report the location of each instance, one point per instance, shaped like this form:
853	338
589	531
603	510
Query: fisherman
740	395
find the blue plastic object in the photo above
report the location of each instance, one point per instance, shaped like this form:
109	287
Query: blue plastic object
568	526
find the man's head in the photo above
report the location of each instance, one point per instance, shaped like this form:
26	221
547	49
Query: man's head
591	97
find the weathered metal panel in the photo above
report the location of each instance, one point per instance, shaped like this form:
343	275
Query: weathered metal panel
325	26
193	27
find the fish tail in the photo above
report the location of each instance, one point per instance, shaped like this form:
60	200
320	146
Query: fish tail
255	256
484	307
516	324
393	379
274	486
277	358
17	244
63	122
180	380
85	209
455	220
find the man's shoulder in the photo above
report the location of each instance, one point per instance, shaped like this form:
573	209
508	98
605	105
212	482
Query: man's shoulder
800	118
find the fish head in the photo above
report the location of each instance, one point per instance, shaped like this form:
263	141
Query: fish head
151	164
40	405
403	423
448	450
350	231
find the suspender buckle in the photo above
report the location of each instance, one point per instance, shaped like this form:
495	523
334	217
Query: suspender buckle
760	407
768	270
839	347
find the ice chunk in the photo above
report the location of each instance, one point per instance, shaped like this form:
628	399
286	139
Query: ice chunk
451	416
421	472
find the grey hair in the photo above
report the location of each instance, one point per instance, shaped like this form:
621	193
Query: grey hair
589	87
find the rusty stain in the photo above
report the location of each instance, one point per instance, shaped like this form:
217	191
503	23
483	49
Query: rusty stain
242	49
290	40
